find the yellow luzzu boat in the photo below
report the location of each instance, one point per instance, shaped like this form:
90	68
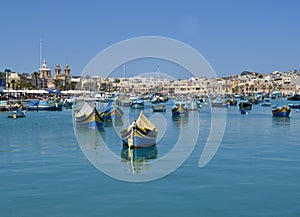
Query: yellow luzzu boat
141	133
88	117
283	111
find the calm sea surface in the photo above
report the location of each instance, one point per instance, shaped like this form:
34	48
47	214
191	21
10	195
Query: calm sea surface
255	172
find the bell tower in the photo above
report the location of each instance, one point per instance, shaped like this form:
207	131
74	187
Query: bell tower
57	70
67	70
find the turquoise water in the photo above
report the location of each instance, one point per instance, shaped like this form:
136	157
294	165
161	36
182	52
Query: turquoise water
255	172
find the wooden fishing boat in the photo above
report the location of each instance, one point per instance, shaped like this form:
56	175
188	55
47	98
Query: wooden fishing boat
159	108
219	103
294	106
295	97
245	105
111	111
281	111
232	102
179	108
141	133
88	116
19	113
138	104
44	105
193	105
266	103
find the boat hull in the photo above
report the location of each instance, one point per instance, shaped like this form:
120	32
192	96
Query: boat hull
245	105
16	114
92	120
294	106
265	104
161	108
37	106
218	105
179	109
139	140
112	113
281	111
137	106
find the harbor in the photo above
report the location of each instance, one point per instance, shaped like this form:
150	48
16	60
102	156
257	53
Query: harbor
149	108
44	164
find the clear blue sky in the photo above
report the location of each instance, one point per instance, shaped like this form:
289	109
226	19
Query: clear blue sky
256	35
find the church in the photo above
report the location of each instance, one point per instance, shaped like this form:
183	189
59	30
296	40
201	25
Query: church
60	79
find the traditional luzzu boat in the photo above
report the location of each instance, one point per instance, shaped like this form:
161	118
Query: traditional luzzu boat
88	116
193	105
179	108
138	104
44	105
141	133
159	108
245	105
281	111
266	103
296	97
19	113
111	111
231	102
294	106
219	103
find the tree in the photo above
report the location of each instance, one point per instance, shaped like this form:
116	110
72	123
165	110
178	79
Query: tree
35	75
56	82
13	83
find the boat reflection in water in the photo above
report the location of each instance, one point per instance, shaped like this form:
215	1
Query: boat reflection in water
281	121
129	162
138	158
180	121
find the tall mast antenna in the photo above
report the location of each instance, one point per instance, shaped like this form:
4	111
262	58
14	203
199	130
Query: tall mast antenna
41	53
124	70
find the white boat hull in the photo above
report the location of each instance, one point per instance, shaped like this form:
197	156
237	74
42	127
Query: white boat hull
138	139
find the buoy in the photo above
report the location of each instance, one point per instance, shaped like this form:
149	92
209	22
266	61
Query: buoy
243	112
15	116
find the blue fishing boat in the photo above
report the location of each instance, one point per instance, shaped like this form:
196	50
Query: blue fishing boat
44	105
294	106
138	104
141	133
159	108
111	111
281	111
295	97
88	116
179	108
266	103
19	113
